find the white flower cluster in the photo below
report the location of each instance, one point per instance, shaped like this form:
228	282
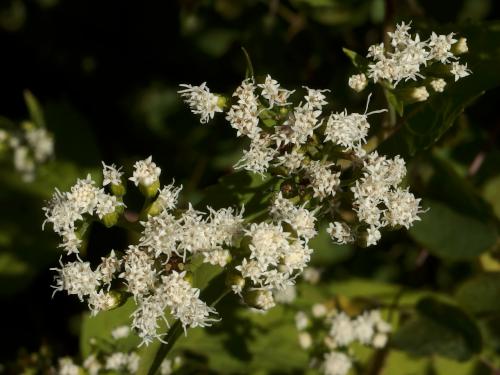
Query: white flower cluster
297	143
408	57
147	270
367	329
201	101
30	148
66	210
104	362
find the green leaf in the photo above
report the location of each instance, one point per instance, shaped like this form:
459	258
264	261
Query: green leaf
481	294
249	342
357	60
34	108
98	329
439	328
394	101
452	235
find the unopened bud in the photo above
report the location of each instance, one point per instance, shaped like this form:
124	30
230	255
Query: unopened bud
260	299
358	82
414	94
119	190
150	191
438	85
235	281
460	47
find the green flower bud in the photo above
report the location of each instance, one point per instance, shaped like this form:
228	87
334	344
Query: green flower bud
150	191
118	190
235	279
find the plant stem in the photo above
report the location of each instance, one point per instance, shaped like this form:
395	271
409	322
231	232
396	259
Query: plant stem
173	334
176	329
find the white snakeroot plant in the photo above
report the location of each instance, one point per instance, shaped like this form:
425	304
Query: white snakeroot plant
318	168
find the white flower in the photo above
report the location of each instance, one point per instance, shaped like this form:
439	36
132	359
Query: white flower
324	183
380	340
168	196
109	266
76	278
67	367
139	273
117	361
419	94
106	204
358	82
401	35
402	208
461	46
273	93
315	99
101	301
319	310
41	143
286	295
438	84
257	159
347	130
70	242
377	51
342	330
364	328
111	175
120	332
459	70
145	172
291	160
336	363
92	365
84	195
301	320
161	234
265	300
61	212
441	47
243	116
340	232
201	101
373	235
299	126
305	340
218	257
311	275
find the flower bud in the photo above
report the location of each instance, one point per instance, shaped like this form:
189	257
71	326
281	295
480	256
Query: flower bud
150	191
413	94
259	299
438	84
111	219
119	190
460	47
358	82
115	299
235	281
305	340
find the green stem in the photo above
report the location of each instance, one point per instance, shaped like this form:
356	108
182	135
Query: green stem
176	329
173	334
